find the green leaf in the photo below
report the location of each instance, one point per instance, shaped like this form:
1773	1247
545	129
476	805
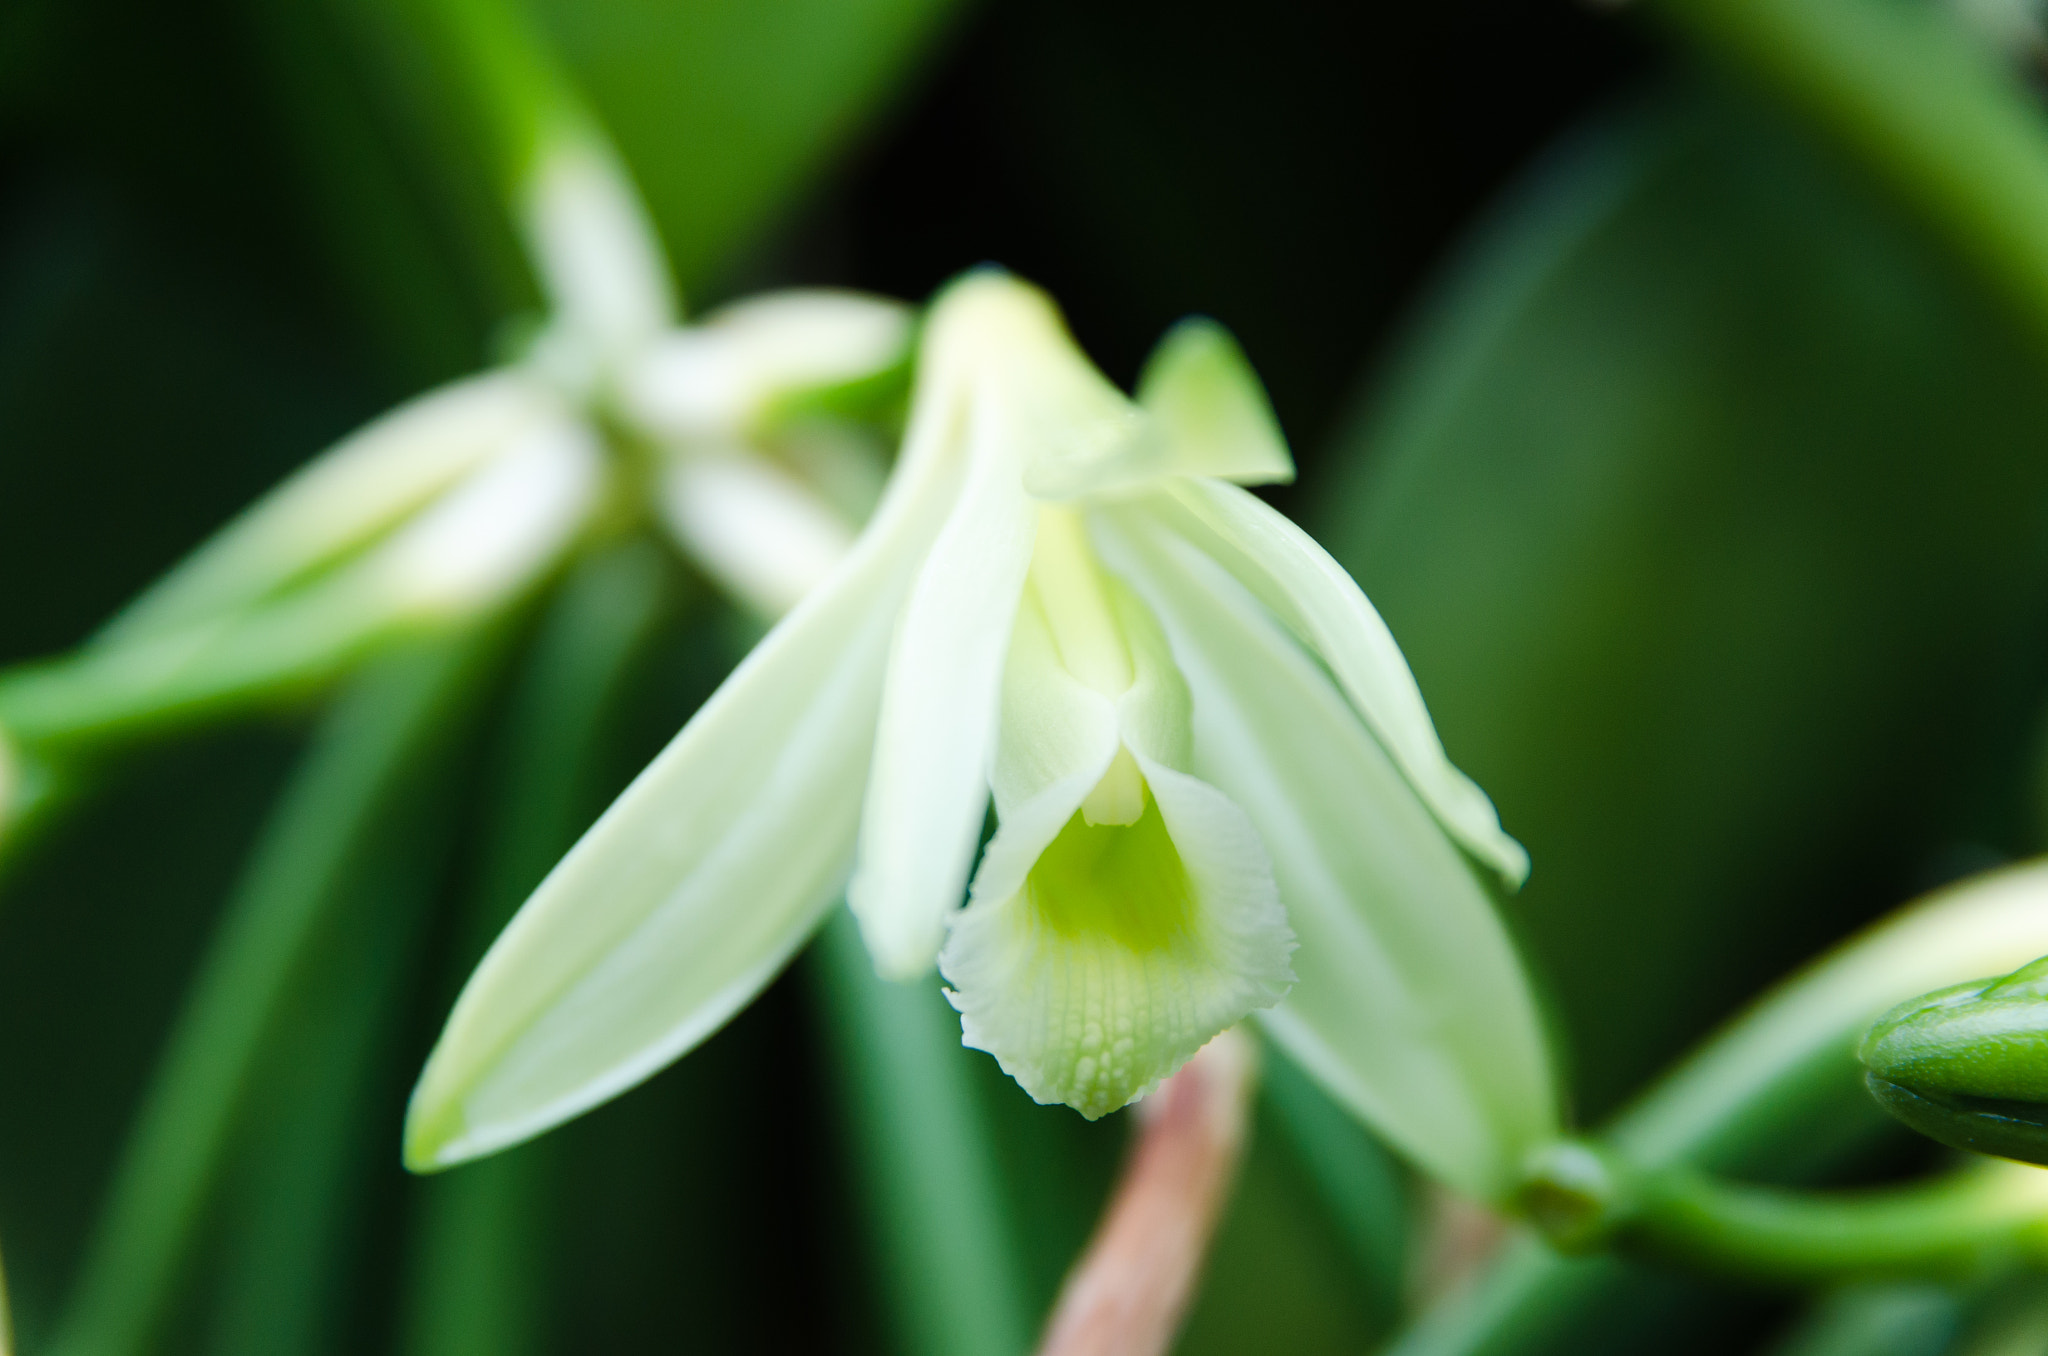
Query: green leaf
728	109
300	875
926	1170
1707	505
482	1256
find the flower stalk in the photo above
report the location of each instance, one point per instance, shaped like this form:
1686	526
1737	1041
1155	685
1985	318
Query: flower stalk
1129	1291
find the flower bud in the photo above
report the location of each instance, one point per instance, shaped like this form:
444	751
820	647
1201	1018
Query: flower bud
1968	1065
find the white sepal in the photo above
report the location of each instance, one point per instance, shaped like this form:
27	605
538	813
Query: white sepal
599	257
1290	573
487	538
699	882
1212	408
756	529
1412	1007
342	500
719	377
928	791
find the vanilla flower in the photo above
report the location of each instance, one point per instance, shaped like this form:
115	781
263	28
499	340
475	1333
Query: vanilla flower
1216	786
463	498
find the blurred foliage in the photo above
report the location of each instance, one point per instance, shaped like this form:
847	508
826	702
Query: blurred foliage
1707	508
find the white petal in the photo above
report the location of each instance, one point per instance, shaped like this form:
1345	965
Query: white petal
1154	716
1057	734
490	536
1412	1006
717	378
698	883
1092	980
599	257
484	541
928	792
345	498
1072	432
1288	572
1217	419
755	528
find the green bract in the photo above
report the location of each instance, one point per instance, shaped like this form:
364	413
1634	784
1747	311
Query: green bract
1217	788
1968	1065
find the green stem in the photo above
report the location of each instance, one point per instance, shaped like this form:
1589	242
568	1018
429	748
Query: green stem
395	713
64	707
949	1263
481	1242
1925	104
1959	1224
1776	1089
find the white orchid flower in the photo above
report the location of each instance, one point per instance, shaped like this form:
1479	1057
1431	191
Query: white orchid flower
464	497
1217	788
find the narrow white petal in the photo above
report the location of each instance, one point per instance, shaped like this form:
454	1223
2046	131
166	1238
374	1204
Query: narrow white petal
488	537
719	377
755	528
1288	572
1213	408
342	500
599	257
1057	735
1124	950
1412	1006
701	880
1154	717
928	792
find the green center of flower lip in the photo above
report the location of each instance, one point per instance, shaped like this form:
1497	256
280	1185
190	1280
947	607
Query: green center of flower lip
1121	882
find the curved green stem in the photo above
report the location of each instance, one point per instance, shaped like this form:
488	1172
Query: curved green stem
366	752
1781	1077
1957	1224
1921	101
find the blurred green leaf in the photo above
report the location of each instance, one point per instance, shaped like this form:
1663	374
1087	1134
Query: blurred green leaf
304	870
1708	504
947	1261
1284	1273
480	1261
728	110
1877	1320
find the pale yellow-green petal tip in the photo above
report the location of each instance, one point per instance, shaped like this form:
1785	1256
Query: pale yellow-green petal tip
1201	387
438	1130
431	1132
1128	948
10	781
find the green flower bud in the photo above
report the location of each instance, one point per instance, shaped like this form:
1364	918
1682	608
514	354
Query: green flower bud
1968	1065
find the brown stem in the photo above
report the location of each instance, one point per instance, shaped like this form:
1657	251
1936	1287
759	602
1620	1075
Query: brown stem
1129	1291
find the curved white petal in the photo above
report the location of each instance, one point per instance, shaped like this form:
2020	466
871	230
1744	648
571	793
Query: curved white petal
342	500
928	792
1057	735
488	537
701	880
718	377
1412	1006
1124	949
759	531
1288	572
1217	419
599	257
